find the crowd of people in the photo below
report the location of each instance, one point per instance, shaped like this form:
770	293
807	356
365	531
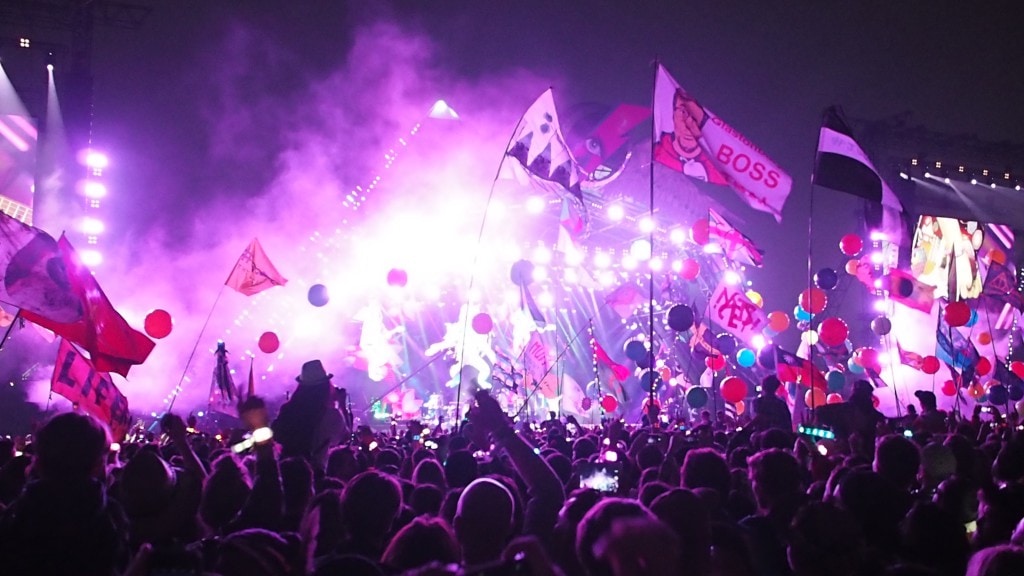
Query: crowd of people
932	494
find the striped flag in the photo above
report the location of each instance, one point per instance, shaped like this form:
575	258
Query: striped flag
908	358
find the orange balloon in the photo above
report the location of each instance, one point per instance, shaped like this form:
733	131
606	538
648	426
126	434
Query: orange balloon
996	255
778	321
975	391
666	373
984	338
851	266
814	398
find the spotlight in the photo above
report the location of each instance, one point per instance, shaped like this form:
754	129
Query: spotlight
535	205
24	43
94	189
927	174
974	181
640	249
602	260
628	262
677	236
646	224
904	175
732	277
92	226
540	274
656	264
541	255
95	160
615	212
91	258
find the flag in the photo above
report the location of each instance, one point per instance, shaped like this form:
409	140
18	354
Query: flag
842	165
251	390
1005	376
535	358
35	278
955	350
625	299
76	379
1001	286
113	345
254	273
691	139
875	378
791	368
609	136
621	372
733	310
570	228
703	342
911	292
543	160
733	243
908	358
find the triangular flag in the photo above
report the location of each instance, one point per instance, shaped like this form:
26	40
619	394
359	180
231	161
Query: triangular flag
253	272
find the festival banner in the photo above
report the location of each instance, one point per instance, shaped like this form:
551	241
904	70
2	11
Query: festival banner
535	358
253	272
34	276
732	310
76	379
691	139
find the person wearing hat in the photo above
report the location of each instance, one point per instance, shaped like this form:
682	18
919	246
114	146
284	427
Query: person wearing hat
931	420
310	422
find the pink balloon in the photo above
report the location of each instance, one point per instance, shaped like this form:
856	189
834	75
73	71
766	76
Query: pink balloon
158	324
609	403
833	331
269	343
482	323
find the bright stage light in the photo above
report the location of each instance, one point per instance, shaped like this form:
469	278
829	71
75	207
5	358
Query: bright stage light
94	189
732	277
974	181
92	226
616	212
646	224
602	260
878	235
640	249
49	67
607	278
573	257
24	43
628	262
540	274
656	264
570	276
758	341
541	255
677	266
876	257
677	236
880	306
545	300
91	258
496	210
96	160
535	205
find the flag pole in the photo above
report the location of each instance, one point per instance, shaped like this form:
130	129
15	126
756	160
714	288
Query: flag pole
650	269
7	333
177	389
472	273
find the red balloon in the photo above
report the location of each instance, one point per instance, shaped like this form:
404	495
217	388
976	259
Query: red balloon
715	363
949	388
957	314
984	366
158	323
1017	367
269	343
700	233
851	244
867	358
833	331
690	269
930	365
813	300
734	390
609	403
834	398
482	323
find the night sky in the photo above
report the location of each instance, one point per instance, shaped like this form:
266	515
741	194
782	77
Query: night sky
205	109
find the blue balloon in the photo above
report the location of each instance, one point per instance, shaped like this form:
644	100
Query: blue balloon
318	295
725	343
650	380
745	357
998	395
854	367
1016	393
801	314
836	380
826	279
696	397
973	319
635	350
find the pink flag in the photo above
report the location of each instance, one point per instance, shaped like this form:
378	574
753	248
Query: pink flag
75	378
625	299
535	357
691	139
254	273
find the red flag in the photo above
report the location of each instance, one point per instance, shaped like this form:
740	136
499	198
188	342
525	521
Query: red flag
75	378
621	372
113	345
791	368
254	273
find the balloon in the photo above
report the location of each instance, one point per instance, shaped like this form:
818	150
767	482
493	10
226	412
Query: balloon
680	317
867	357
522	273
778	321
930	365
397	277
984	338
814	397
834	398
268	343
836	380
973	319
740	407
645	361
975	391
813	300
696	397
957	314
690	269
482	323
158	324
851	245
851	266
809	337
318	295
665	373
635	350
733	389
996	255
715	363
949	388
801	315
833	331
701	231
1016	393
826	279
881	326
726	343
650	380
854	367
983	367
1017	367
766	357
746	357
609	403
756	298
998	394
